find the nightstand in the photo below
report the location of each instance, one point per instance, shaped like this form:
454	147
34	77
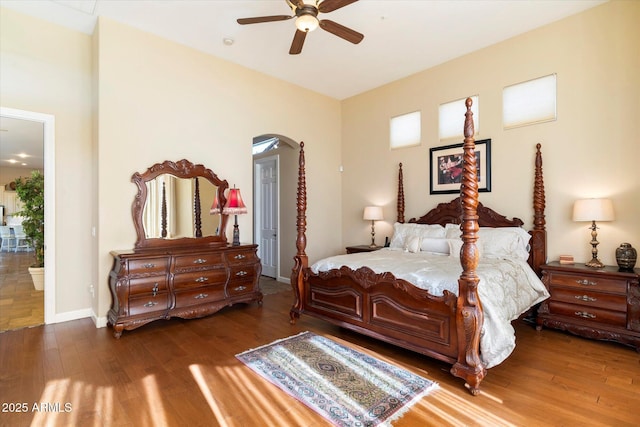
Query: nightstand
599	303
361	248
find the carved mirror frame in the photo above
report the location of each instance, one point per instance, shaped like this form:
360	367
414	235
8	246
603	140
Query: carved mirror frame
180	169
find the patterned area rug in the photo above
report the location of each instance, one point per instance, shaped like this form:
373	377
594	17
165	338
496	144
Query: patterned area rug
345	386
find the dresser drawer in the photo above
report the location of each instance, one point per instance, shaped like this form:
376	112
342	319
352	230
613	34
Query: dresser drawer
148	304
198	279
241	256
242	273
198	261
148	266
587	298
147	285
593	314
589	283
239	288
200	296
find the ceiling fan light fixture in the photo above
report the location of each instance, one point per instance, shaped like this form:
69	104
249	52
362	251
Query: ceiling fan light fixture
307	23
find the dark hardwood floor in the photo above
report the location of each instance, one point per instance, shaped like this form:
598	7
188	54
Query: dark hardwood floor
184	373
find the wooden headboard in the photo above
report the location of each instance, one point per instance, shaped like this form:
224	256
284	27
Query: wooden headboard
451	213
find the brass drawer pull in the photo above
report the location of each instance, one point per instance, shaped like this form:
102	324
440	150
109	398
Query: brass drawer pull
239	288
586	282
239	256
585	314
199	261
585	298
202	279
151	304
201	296
155	289
241	273
148	265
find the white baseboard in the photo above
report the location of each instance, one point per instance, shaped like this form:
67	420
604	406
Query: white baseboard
72	315
100	322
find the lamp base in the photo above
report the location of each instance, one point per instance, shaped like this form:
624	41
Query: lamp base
595	263
236	233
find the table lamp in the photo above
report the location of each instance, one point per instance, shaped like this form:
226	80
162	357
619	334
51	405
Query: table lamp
235	206
372	213
593	210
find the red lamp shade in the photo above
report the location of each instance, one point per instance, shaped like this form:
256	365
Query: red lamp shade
215	206
235	205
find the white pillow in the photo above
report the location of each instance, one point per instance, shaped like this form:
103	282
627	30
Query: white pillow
435	244
504	242
452	231
402	231
455	245
413	244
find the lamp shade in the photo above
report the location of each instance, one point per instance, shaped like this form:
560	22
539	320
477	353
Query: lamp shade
215	206
593	210
235	205
372	213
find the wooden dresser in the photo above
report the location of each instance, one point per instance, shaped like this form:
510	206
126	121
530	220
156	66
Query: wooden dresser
183	283
595	303
181	264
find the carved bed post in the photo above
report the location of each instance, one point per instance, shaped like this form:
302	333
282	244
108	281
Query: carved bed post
469	315
197	210
400	207
301	261
538	254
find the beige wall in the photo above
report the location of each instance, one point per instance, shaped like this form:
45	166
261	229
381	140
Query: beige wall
47	69
592	150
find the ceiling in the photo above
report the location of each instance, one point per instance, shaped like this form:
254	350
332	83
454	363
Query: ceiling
400	37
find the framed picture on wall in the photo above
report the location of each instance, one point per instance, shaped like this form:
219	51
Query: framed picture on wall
445	167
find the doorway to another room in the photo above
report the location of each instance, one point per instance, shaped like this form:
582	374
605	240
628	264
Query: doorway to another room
274	187
21	305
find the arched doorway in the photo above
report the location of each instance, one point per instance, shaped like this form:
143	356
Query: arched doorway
274	177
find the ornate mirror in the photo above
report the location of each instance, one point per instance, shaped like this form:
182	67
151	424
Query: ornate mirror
178	205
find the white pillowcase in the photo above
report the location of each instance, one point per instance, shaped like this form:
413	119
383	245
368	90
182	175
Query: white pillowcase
456	244
412	244
402	231
504	242
500	243
452	231
437	245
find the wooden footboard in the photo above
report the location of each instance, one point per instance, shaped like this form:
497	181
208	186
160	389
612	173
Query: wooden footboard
386	308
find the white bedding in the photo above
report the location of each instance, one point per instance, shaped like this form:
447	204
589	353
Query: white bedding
507	288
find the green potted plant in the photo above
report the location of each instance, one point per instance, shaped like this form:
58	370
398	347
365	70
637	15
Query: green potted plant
30	191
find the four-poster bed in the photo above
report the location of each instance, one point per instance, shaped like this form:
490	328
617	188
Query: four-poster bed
448	327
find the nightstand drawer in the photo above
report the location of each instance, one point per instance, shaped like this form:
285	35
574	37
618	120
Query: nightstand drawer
588	313
590	299
592	283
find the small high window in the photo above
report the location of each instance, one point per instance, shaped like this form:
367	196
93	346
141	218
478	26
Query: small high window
405	130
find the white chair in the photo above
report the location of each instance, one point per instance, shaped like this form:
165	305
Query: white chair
8	239
22	242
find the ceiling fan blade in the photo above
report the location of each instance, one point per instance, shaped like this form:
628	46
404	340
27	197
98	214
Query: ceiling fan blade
341	31
259	19
298	41
331	5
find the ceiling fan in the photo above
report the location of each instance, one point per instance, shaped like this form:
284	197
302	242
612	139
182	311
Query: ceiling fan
306	14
